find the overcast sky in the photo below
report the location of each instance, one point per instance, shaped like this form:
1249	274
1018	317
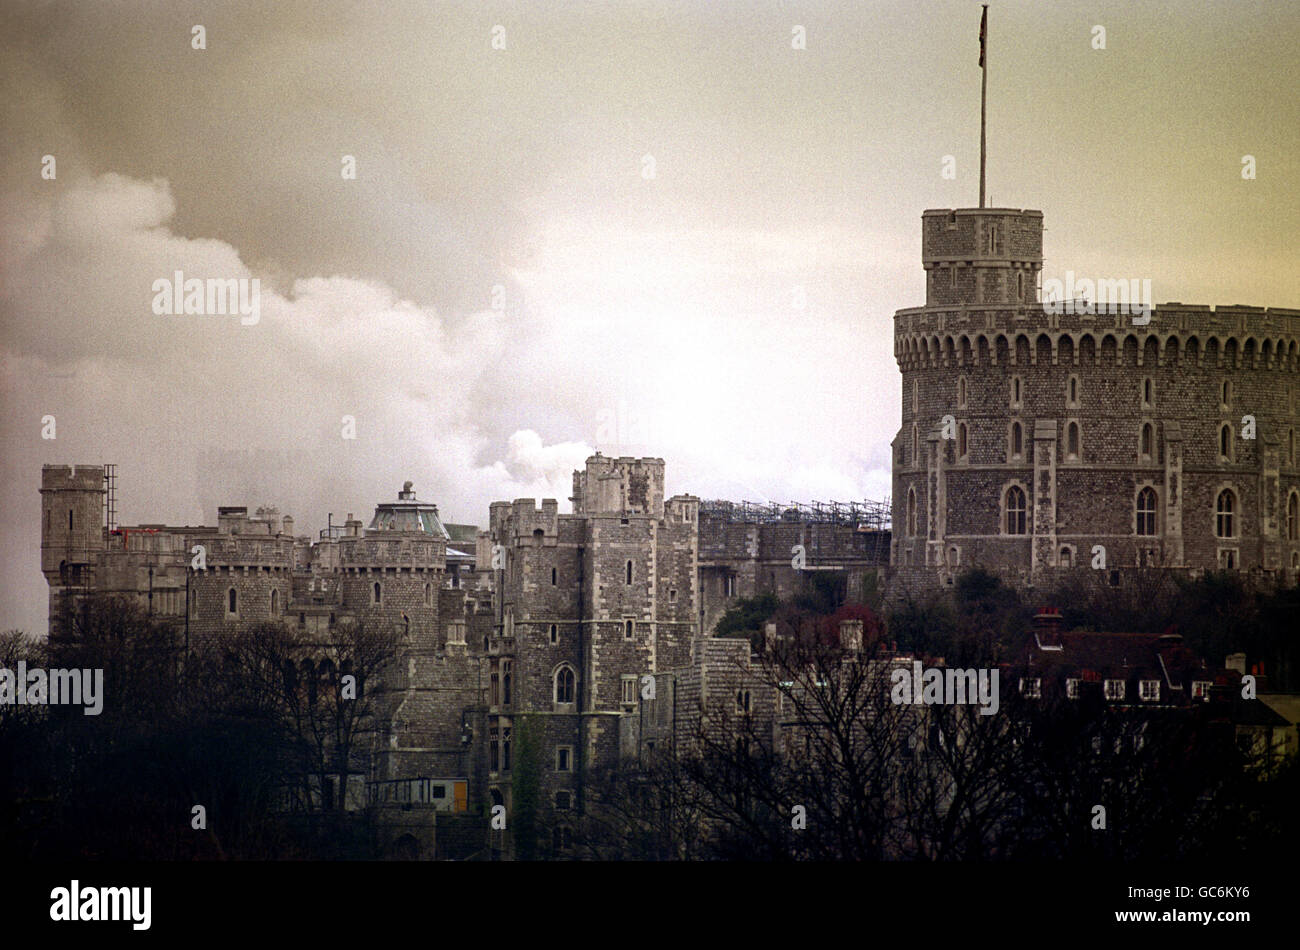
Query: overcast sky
638	315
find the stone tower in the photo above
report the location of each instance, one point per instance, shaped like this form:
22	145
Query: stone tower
72	526
1043	438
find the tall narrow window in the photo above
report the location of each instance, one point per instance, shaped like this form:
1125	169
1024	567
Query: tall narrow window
1146	512
1066	558
629	572
1020	285
1223	512
275	602
1227	393
1072	392
232	601
505	682
564	685
962	447
1148	438
69	519
1015	510
1072	440
915	399
1290	446
428	595
555	576
961	393
1225	443
377	592
627	629
1147	392
911	511
1293	517
993	239
1016	391
1017	440
555	633
916	446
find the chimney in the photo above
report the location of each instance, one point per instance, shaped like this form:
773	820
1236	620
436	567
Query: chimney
851	635
287	525
1047	628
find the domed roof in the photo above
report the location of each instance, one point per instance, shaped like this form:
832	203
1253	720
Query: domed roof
408	514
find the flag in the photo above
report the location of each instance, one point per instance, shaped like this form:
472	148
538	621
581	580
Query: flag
984	25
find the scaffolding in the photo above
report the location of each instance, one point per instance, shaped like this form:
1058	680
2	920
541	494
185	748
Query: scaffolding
865	516
110	497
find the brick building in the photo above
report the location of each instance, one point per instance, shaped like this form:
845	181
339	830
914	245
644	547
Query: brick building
212	582
1031	439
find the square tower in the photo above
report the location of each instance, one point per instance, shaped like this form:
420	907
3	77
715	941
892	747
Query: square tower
979	256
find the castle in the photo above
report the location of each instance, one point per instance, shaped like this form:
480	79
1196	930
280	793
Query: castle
1033	443
1039	439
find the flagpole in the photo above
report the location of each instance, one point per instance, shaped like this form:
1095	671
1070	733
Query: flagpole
984	91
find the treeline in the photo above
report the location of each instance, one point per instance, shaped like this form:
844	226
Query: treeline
212	752
1217	614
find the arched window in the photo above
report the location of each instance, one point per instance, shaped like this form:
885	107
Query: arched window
1020	285
915	396
1066	558
1148	439
1016	510
1017	440
555	576
69	519
1072	392
1016	391
962	447
1227	393
564	684
916	447
1223	512
1146	512
1072	440
377	593
1148	392
1293	517
555	633
911	511
629	572
428	595
627	629
406	626
1225	442
506	666
1290	446
961	393
275	601
232	601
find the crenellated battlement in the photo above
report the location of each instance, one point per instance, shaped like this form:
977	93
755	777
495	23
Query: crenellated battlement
1226	337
